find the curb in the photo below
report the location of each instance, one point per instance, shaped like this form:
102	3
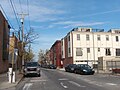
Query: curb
7	85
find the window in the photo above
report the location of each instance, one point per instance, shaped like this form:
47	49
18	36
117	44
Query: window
87	37
117	52
79	52
98	37
117	39
87	30
107	52
107	37
68	38
78	36
98	49
62	52
69	50
88	50
62	43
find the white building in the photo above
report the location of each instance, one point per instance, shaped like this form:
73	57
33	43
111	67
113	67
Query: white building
85	45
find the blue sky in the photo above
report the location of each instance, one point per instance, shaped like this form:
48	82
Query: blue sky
53	19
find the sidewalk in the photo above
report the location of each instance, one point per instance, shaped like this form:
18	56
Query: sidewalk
4	84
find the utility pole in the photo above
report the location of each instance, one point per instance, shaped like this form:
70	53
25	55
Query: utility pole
22	24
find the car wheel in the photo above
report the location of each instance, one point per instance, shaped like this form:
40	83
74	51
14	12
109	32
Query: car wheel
39	75
75	71
24	75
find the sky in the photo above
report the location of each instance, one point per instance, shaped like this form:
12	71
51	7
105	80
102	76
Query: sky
53	19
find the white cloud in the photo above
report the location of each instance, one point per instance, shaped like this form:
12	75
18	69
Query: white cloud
68	24
100	13
37	11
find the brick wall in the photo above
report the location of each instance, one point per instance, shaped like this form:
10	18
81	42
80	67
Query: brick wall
67	60
55	54
4	42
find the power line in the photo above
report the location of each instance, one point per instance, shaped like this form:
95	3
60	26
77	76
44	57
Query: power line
28	13
20	6
9	22
15	13
7	17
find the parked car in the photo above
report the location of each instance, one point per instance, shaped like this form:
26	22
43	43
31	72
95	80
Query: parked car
31	68
70	67
52	66
84	69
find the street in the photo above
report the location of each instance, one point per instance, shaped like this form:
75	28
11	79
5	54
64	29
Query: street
60	80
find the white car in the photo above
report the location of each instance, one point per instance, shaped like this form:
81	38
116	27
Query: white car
31	68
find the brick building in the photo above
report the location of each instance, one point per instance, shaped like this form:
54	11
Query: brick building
4	43
55	54
14	48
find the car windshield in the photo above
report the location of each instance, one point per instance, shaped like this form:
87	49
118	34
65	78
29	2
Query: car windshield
73	65
31	64
52	65
85	66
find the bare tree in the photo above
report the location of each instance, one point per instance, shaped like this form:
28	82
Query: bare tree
29	54
29	38
42	58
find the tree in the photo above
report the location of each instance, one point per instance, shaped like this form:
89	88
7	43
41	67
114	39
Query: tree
29	54
42	58
29	38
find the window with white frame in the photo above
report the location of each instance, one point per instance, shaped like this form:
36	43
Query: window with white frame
87	37
79	52
107	52
98	37
88	50
69	50
68	38
117	38
107	37
98	49
78	36
118	52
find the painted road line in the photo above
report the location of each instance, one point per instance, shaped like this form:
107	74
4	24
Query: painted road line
27	86
38	80
63	85
74	83
95	83
111	84
63	79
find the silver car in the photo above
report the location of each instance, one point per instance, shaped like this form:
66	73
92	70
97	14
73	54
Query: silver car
31	68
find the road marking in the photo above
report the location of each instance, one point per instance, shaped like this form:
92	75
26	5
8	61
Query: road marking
63	79
63	85
92	82
38	80
111	84
72	82
27	86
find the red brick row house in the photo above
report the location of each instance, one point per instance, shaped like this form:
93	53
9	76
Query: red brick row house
66	51
4	43
55	54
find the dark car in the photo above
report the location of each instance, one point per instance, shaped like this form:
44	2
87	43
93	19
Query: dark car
70	67
84	69
52	66
31	68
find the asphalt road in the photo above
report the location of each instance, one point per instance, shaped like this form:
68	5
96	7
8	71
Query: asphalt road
61	80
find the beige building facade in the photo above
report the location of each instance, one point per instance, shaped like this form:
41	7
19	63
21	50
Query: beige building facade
85	45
